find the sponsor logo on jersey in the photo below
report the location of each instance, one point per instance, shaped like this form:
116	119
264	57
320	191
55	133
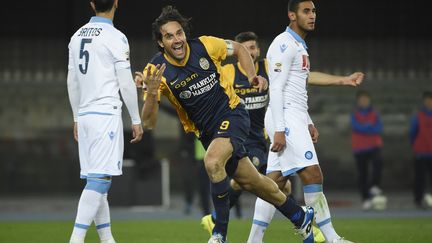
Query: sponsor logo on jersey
278	67
204	63
283	47
111	135
223	195
245	91
185	94
256	102
204	85
184	82
308	155
287	131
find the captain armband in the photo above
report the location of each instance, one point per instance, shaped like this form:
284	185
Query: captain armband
230	47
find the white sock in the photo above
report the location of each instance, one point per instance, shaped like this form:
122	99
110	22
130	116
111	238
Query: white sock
87	208
314	197
263	215
103	220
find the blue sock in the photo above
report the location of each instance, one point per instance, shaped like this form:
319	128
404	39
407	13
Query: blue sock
234	196
292	211
220	191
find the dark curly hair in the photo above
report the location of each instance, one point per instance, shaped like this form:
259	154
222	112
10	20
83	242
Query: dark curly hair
293	5
102	6
169	13
246	36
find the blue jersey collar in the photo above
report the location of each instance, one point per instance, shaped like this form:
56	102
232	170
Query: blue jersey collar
296	37
97	19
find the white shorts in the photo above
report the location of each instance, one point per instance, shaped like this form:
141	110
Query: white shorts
299	152
100	144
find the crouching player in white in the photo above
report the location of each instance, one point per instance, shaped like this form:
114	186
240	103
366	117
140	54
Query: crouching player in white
288	123
98	69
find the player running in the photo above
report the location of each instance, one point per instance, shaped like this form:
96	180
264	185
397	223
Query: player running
98	69
288	123
188	73
256	104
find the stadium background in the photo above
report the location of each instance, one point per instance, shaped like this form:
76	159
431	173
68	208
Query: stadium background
388	40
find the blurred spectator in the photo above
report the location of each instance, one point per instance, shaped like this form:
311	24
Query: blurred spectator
421	141
366	143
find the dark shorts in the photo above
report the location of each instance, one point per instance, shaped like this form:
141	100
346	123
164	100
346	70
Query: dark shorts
236	127
258	156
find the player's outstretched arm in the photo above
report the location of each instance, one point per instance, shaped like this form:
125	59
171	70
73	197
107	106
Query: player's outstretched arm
246	62
74	96
318	78
151	80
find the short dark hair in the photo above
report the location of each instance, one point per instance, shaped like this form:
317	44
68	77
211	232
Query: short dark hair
169	13
362	93
293	5
103	5
427	95
246	36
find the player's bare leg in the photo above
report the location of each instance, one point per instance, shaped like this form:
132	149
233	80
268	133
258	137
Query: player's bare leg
217	155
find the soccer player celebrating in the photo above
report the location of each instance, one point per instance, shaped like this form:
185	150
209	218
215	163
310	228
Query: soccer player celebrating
98	69
256	103
287	120
188	73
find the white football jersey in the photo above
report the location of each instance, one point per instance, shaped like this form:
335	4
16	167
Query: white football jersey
96	50
288	63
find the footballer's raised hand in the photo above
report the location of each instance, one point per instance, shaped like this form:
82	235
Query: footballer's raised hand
153	78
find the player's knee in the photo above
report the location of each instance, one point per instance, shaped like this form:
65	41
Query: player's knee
213	163
315	178
312	175
98	185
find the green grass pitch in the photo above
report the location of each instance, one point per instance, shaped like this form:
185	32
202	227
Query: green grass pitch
178	231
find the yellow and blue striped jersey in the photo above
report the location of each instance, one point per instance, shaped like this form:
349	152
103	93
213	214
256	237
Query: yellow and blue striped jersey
255	102
195	86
